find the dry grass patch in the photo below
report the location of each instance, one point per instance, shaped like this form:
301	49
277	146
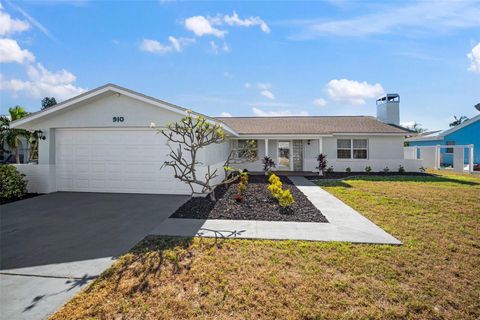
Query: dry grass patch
434	275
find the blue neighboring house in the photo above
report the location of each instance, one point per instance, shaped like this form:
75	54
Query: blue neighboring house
464	134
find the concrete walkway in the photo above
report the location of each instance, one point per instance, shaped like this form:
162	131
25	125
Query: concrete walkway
345	224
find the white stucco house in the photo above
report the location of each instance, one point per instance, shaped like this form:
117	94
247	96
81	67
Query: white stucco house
101	141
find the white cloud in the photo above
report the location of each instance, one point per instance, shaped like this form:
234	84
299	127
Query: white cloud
234	20
227	75
42	82
264	89
225	114
9	26
175	45
421	16
267	94
264	86
474	57
261	113
201	26
353	91
10	51
216	49
320	102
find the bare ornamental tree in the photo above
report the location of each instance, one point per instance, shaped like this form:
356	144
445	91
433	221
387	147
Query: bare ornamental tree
185	139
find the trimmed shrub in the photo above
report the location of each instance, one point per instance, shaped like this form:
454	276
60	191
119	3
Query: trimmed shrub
285	199
12	182
241	186
386	170
276	189
368	169
401	169
348	170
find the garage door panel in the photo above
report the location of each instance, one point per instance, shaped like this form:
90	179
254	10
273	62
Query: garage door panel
114	161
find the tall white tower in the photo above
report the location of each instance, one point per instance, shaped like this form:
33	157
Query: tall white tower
388	108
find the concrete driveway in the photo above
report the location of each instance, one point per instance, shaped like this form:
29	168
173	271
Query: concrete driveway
51	246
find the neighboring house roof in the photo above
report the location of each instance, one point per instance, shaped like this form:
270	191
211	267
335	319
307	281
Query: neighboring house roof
91	94
311	125
439	135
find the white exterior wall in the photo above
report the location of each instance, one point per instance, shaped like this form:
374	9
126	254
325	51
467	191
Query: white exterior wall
41	178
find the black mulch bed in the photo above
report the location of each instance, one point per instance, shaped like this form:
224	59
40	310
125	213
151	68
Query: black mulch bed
343	175
26	196
257	204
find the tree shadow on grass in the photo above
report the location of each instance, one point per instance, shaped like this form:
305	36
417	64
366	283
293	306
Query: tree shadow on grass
150	258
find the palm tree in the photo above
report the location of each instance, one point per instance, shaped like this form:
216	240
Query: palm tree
458	121
12	137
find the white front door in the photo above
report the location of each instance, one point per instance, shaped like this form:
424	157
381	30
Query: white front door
117	160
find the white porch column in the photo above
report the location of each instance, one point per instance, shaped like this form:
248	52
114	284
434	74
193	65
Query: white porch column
290	161
266	147
470	158
320	145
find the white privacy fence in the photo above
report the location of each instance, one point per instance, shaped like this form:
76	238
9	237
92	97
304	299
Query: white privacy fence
431	156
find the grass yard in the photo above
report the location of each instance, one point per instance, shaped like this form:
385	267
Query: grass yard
434	275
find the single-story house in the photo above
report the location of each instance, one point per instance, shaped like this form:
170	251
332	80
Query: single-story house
465	134
102	141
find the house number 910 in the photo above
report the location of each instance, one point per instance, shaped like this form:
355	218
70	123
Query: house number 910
118	119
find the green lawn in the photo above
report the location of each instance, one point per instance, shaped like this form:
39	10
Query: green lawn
434	275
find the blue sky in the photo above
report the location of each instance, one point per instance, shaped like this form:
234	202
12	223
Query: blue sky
249	58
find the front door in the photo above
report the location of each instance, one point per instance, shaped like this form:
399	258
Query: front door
297	155
283	155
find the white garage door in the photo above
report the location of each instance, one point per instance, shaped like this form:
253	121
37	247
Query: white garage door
114	161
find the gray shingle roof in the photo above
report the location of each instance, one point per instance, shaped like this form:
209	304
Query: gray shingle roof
311	125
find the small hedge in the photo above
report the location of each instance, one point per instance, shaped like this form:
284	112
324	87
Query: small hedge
12	182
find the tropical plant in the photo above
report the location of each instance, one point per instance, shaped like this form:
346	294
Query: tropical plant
242	186
48	102
401	169
268	164
322	163
12	137
417	128
386	170
368	169
12	182
185	139
458	121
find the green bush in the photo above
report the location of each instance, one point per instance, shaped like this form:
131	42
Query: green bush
12	182
285	199
348	170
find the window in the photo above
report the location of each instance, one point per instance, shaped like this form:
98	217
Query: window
247	148
360	148
344	149
450	143
352	148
